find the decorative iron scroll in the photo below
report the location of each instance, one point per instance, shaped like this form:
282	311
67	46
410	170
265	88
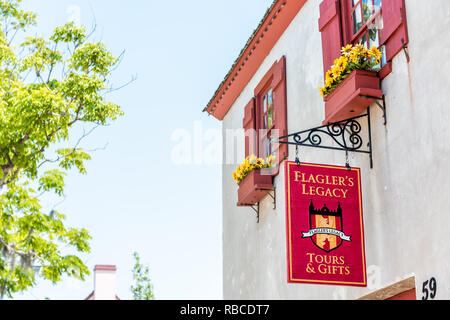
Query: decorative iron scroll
345	134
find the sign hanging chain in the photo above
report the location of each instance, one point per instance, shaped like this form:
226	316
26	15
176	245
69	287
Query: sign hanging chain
347	162
297	158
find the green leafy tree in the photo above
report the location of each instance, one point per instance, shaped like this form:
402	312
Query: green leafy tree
142	288
47	87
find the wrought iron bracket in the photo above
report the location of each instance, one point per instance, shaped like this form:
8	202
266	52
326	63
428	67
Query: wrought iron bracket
256	209
344	136
405	49
380	102
257	206
274	198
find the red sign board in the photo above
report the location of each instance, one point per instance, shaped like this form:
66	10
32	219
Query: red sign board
324	220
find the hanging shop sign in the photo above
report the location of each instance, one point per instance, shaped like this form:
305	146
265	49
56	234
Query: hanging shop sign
324	218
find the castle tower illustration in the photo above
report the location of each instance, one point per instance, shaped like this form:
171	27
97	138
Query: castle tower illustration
325	211
328	219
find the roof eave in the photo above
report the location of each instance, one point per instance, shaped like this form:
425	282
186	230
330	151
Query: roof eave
276	20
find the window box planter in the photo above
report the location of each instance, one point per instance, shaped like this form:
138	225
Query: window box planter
349	99
254	187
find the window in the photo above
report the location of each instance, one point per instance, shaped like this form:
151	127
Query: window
267	124
266	114
366	23
264	122
380	23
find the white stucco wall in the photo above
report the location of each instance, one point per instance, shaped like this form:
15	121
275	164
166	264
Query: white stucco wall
406	195
104	285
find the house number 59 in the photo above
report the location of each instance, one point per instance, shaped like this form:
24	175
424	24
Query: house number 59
429	289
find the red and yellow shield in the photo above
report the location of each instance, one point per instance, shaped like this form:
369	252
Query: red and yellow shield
326	230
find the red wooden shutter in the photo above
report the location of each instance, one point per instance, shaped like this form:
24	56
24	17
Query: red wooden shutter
394	27
331	28
249	125
280	103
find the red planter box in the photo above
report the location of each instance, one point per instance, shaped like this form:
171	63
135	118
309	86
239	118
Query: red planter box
345	100
254	187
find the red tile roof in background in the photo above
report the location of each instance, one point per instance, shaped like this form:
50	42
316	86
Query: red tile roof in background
101	267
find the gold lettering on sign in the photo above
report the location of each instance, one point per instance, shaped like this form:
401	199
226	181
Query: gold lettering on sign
333	186
328	265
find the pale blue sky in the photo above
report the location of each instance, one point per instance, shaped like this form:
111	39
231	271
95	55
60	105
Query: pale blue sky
133	197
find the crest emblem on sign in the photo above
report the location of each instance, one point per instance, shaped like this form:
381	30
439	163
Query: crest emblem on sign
326	228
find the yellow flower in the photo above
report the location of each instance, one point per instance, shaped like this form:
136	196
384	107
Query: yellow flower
336	70
342	63
374	52
328	82
322	91
359	48
354	57
346	50
336	61
270	160
260	162
329	78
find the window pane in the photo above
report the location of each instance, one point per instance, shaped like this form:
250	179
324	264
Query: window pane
368	9
374	31
270	107
354	2
270	97
377	5
383	58
356	19
265	121
272	151
270	118
268	148
376	25
265	103
374	38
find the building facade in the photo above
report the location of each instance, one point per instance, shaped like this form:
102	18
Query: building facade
405	190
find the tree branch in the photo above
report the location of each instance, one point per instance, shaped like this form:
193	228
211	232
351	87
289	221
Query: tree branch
111	89
73	150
